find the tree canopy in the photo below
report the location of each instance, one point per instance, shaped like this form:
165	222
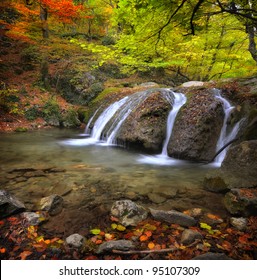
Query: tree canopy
198	39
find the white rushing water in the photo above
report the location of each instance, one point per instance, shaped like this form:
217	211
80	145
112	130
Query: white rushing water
110	120
163	158
227	133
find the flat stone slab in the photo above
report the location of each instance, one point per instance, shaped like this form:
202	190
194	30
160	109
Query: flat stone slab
173	217
121	245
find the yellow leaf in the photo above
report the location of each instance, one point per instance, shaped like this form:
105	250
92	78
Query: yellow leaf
151	245
114	226
206	244
120	228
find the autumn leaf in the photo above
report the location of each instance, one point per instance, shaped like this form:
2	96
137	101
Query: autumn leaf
143	238
120	228
151	245
148	233
2	250
25	254
95	231
114	226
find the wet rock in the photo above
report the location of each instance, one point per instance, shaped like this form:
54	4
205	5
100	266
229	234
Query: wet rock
212	256
75	240
128	212
33	219
156	198
36	173
214	183
121	245
221	180
149	84
197	127
211	219
145	127
241	202
53	204
194	212
9	204
131	195
168	192
242	158
239	223
189	236
193	84
173	217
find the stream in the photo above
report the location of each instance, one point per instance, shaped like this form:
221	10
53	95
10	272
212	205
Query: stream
91	177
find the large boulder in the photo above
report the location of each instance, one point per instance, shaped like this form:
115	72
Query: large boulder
9	204
145	127
242	158
197	127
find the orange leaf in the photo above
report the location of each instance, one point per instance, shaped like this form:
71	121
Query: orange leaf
213	217
151	245
99	242
2	250
148	233
143	238
25	254
1	223
54	239
47	241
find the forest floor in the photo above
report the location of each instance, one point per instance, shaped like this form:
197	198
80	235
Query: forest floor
152	239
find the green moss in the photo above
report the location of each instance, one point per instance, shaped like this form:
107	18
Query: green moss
21	129
105	93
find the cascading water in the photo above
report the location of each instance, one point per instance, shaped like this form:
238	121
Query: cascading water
110	120
225	135
163	159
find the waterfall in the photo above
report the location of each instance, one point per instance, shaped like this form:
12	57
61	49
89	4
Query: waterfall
163	158
179	101
226	135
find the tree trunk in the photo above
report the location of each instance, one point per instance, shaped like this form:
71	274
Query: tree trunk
250	29
43	17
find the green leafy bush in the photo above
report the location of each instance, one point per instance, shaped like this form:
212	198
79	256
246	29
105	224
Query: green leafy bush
9	100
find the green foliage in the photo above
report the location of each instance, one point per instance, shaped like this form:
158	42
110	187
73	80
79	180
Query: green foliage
30	54
33	113
51	110
70	118
9	100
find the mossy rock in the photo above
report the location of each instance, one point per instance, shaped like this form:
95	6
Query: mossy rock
21	129
70	119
